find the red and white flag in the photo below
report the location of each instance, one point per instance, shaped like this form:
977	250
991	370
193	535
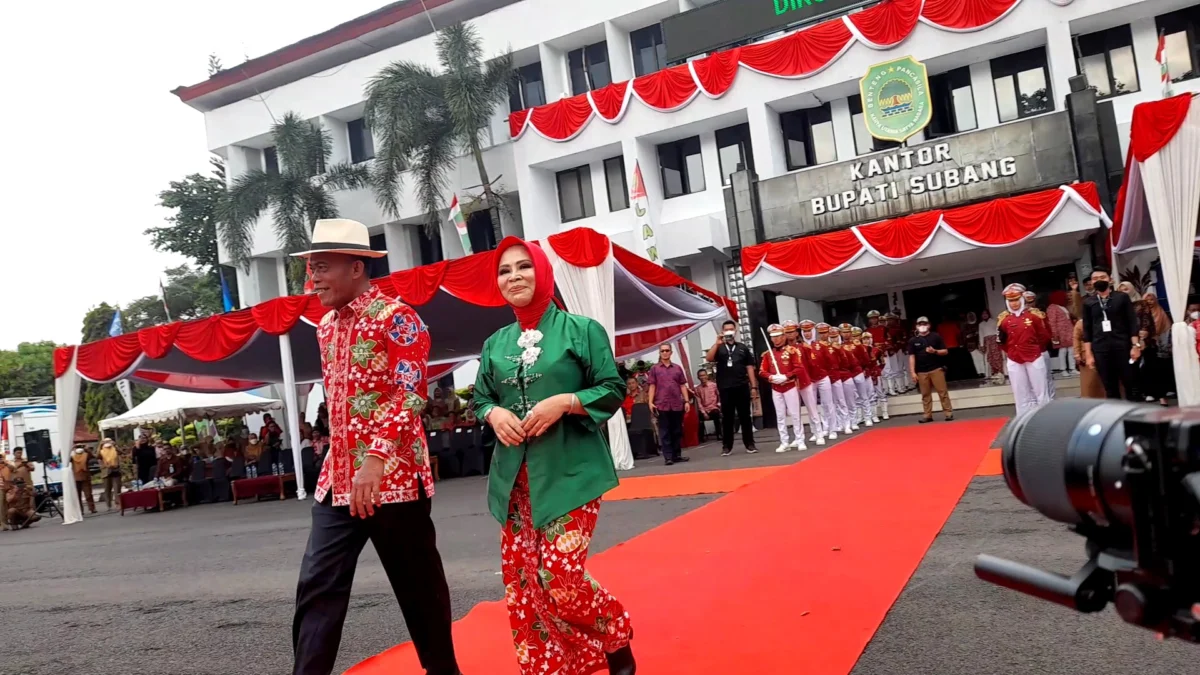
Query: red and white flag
1161	56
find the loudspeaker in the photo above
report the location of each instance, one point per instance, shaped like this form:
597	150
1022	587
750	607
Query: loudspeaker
37	446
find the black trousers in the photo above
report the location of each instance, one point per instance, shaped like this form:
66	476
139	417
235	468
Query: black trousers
715	416
670	433
145	471
1114	370
404	538
735	401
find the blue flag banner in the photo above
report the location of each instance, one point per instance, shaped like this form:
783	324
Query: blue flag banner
225	297
114	329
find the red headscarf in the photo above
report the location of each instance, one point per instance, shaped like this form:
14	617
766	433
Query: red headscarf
543	288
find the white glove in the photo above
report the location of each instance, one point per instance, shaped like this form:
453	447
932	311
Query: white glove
778	379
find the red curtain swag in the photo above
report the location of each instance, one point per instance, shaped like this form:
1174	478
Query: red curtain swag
1154	124
800	54
999	222
471	279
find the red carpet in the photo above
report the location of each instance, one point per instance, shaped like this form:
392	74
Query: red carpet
789	575
684	484
990	466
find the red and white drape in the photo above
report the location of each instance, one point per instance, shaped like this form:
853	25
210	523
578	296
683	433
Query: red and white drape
996	223
1158	206
800	54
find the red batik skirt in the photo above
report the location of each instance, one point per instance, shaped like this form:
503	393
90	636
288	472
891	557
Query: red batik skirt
563	621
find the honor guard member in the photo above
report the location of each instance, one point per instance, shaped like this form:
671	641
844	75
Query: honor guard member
816	359
1022	335
782	365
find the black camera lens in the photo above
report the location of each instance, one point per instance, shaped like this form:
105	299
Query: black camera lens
1064	459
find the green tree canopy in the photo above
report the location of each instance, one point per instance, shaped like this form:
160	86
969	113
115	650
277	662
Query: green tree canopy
27	371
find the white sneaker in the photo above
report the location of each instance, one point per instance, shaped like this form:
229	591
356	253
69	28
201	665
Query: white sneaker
812	437
875	419
820	440
798	444
868	423
832	436
885	416
852	427
846	431
784	448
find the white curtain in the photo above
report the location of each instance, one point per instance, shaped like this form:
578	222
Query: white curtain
588	291
66	398
1171	179
291	409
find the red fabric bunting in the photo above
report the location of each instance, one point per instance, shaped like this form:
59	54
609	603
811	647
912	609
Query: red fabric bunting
657	275
1155	124
156	341
216	337
900	238
277	316
965	15
640	343
104	360
798	54
889	23
473	279
667	89
563	119
580	246
715	74
62	360
609	101
418	285
999	222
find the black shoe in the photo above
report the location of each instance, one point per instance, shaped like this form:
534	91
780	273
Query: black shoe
751	450
621	662
925	420
669	462
725	452
949	418
681	458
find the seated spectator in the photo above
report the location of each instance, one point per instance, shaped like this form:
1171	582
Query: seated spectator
172	467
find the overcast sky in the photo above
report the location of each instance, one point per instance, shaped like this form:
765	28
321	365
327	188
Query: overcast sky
92	135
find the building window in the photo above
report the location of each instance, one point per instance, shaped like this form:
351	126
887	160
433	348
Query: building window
618	187
589	68
682	167
1022	84
362	145
378	267
864	142
575	193
808	137
733	149
1106	58
271	161
1182	32
525	89
953	103
649	50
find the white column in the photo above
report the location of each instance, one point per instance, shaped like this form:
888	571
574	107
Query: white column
843	129
787	308
402	247
292	409
1060	57
711	160
248	293
66	398
620	52
1145	45
599	187
813	311
539	202
685	5
339	138
239	160
281	274
766	141
983	90
554	73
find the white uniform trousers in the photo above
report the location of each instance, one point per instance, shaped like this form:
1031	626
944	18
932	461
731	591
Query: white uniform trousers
1028	383
809	396
865	393
842	418
1049	376
850	396
787	408
881	398
829	419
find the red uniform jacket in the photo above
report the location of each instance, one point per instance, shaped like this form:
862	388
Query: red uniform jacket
1023	338
791	366
878	334
896	339
816	361
852	365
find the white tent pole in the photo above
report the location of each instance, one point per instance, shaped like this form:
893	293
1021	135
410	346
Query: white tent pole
66	398
292	409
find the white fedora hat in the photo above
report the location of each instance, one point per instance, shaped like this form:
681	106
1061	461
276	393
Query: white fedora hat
341	235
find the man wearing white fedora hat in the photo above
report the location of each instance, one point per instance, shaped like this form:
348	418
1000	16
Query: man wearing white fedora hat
375	483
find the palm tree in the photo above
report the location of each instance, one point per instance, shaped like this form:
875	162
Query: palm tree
424	119
298	195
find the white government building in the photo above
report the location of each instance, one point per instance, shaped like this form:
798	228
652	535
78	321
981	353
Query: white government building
802	136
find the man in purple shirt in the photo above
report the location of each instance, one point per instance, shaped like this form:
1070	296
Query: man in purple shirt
669	401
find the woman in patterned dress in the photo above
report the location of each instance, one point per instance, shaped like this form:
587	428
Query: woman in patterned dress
991	347
546	385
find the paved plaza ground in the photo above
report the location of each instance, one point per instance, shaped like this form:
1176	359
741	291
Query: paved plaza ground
209	590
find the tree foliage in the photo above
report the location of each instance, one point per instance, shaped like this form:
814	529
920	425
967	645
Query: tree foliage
297	196
425	119
190	295
27	371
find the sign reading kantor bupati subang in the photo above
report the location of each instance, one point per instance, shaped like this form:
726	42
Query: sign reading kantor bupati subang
895	99
1017	157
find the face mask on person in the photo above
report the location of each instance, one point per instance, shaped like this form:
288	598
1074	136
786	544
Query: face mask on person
1194	316
1100	286
923	329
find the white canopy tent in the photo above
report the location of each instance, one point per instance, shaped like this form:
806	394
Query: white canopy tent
167	405
1158	207
639	303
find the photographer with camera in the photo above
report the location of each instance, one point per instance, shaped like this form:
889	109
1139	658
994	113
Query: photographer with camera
1110	336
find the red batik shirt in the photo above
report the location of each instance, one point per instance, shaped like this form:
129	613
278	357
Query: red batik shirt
374	353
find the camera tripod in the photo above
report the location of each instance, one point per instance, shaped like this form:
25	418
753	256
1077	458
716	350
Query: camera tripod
46	501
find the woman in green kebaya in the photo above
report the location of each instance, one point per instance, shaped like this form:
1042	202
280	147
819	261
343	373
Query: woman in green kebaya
546	385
